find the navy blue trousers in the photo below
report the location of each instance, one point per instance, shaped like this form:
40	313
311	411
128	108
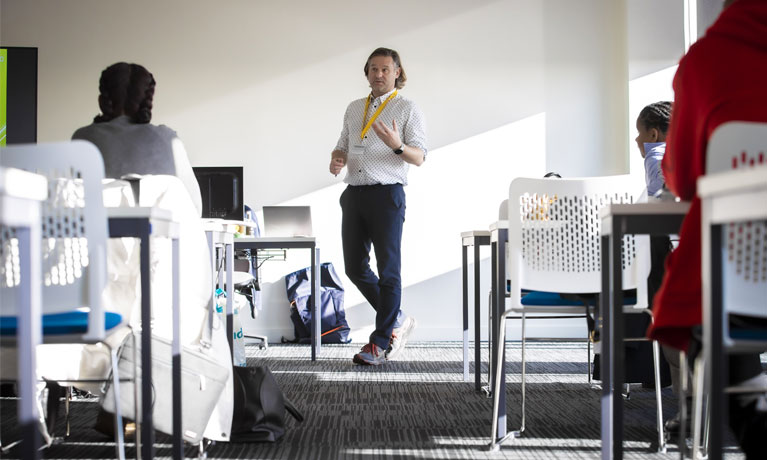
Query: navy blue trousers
375	214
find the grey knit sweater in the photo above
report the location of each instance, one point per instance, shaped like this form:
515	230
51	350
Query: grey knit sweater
141	148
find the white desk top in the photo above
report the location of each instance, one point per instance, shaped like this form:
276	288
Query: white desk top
731	182
163	220
277	239
220	225
20	195
499	225
23	184
495	227
475	233
146	212
734	196
657	207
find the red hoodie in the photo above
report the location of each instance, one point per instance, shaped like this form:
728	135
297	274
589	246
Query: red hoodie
722	78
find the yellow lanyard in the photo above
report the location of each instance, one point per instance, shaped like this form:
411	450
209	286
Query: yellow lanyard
367	124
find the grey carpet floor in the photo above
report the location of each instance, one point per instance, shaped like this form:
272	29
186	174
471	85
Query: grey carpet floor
415	407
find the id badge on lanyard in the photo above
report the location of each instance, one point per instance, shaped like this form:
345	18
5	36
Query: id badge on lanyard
357	149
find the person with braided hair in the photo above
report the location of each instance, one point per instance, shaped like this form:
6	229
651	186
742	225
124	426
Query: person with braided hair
127	140
130	144
652	125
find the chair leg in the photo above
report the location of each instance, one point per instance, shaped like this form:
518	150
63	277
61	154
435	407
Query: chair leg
494	442
658	400
490	363
120	443
136	418
524	374
501	386
66	408
588	361
201	454
683	384
136	395
697	405
706	425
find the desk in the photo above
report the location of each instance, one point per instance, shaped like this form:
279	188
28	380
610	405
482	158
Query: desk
658	218
499	237
733	196
20	195
296	242
144	223
475	238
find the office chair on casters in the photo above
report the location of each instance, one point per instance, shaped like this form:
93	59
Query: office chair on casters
554	247
246	284
74	237
734	270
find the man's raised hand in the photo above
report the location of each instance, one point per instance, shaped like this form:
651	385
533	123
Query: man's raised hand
389	136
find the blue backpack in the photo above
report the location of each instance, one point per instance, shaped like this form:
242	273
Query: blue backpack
334	327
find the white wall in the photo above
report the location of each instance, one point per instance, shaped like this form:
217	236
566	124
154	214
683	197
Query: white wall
707	12
586	78
508	87
656	43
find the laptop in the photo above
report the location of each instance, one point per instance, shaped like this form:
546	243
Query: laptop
287	221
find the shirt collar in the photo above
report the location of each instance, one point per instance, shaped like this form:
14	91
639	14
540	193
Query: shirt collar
654	148
382	97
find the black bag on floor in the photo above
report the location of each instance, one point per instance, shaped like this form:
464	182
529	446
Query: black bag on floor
259	406
333	326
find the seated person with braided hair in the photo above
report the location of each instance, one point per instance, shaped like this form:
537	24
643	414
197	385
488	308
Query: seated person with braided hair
652	125
128	142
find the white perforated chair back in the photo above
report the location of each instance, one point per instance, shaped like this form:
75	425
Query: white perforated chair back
555	234
74	229
503	210
737	145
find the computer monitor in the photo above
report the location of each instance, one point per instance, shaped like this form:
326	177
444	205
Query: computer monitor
221	190
18	95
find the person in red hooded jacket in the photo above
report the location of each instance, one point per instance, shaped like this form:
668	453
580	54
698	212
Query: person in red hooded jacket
722	78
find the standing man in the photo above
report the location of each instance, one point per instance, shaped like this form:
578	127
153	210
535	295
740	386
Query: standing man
383	134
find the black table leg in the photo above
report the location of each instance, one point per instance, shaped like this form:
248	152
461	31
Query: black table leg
613	366
316	323
715	356
147	427
477	330
178	443
465	311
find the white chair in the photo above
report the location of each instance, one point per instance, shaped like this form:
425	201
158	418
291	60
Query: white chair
20	195
554	247
734	270
74	236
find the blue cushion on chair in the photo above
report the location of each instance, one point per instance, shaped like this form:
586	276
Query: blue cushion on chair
542	298
749	334
74	322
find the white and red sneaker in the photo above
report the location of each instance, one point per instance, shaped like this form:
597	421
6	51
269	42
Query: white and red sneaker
399	337
371	355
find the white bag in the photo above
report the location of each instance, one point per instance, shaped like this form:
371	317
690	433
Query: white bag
238	337
238	340
202	382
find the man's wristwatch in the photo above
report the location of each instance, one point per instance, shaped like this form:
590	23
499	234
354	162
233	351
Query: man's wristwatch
399	150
